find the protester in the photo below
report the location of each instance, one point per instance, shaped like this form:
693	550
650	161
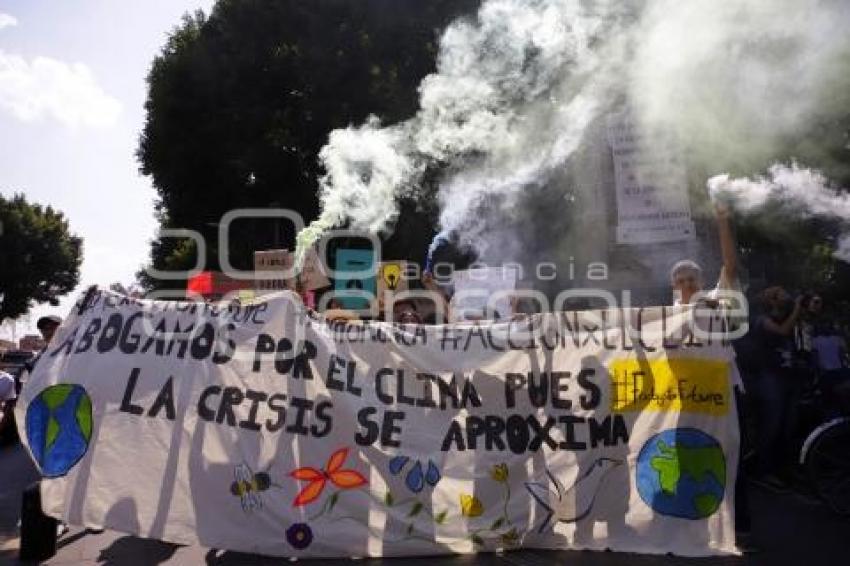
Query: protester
405	312
811	315
776	384
47	325
830	353
815	307
687	282
686	275
7	403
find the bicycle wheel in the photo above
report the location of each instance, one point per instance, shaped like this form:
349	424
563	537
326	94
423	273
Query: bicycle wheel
826	459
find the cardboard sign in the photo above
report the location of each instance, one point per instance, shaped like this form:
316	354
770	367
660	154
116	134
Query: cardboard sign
355	271
312	275
269	267
393	276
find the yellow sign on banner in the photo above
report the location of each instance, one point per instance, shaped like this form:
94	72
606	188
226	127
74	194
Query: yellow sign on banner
687	385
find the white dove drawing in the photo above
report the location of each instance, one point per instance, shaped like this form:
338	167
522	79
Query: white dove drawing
573	504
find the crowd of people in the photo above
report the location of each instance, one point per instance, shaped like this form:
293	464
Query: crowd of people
793	347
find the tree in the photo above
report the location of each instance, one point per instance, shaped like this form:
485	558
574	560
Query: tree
240	103
40	259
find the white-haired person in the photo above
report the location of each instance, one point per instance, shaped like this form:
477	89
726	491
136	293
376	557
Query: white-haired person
686	279
686	276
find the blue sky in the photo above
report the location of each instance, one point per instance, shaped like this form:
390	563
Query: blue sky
72	90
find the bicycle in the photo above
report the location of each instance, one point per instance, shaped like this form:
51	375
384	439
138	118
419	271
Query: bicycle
822	446
824	455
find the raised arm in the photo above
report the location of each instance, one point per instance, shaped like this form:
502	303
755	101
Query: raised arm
786	327
727	242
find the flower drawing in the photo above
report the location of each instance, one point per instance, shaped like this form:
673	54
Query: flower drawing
499	473
470	506
299	535
333	472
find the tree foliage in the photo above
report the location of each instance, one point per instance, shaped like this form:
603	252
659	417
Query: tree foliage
241	102
40	259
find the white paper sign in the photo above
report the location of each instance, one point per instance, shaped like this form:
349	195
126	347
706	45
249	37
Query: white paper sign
483	293
652	197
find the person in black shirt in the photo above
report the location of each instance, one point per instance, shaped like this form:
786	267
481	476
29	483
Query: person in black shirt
775	384
47	325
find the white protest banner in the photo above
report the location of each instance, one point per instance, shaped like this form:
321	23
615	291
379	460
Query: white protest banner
264	428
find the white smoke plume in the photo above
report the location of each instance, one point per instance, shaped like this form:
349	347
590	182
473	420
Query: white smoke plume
737	77
517	86
512	94
805	190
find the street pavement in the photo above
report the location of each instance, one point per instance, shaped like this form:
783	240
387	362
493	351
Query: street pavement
788	528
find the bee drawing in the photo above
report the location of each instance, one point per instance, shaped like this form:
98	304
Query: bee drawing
248	486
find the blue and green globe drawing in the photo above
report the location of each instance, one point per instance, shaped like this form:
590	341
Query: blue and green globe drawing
682	472
59	425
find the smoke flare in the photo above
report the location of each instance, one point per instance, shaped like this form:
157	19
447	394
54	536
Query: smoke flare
806	190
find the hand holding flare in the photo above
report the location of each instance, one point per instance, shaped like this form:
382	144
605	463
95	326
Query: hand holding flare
343	479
